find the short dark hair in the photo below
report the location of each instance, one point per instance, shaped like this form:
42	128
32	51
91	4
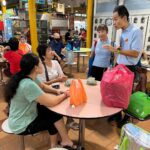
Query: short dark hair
102	27
41	49
122	11
13	43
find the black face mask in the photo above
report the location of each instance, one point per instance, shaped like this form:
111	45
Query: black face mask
57	40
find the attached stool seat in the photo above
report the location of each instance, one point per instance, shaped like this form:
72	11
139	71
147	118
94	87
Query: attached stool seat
83	55
70	61
6	129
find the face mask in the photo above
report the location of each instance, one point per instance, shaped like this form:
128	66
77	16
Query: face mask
57	39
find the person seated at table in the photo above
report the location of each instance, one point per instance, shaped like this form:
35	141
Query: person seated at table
101	55
13	56
29	103
24	46
52	73
52	70
57	46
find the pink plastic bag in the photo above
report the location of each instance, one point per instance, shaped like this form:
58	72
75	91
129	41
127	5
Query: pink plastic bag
116	86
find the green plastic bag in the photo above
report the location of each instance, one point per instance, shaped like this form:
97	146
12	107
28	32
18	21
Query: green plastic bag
134	138
139	105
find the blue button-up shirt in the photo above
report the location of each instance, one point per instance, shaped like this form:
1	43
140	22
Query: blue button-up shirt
131	39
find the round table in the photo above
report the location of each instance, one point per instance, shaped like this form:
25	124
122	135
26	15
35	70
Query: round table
93	108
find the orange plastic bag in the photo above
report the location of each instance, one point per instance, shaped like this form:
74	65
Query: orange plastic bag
77	93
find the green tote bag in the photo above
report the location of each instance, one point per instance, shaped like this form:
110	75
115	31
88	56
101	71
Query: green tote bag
139	105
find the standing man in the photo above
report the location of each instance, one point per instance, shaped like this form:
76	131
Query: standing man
131	41
131	44
68	36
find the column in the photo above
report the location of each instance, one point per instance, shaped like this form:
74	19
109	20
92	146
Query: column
33	24
89	23
3	5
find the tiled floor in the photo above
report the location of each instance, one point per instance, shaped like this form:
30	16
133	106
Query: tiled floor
99	135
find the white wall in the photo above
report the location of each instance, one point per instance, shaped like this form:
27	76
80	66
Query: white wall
137	11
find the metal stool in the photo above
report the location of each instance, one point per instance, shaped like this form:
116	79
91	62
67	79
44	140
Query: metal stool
83	59
6	129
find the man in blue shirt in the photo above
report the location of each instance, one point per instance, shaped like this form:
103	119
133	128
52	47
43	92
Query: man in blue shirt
131	44
131	41
57	45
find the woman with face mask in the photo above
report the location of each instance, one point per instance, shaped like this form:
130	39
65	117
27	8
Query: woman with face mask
57	46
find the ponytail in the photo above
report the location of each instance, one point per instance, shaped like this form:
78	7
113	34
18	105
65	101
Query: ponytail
12	85
27	64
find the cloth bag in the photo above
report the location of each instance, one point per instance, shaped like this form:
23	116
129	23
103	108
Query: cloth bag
77	93
139	105
116	86
134	138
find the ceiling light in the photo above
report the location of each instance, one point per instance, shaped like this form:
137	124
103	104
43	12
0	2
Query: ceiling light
3	3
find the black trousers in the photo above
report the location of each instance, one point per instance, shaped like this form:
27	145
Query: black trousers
44	121
97	72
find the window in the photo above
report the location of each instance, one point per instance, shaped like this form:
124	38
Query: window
100	20
95	28
142	20
96	20
95	35
149	39
148	48
135	20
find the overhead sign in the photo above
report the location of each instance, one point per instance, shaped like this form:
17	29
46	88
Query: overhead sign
37	1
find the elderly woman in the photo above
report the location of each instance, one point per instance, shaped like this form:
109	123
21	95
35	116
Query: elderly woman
28	112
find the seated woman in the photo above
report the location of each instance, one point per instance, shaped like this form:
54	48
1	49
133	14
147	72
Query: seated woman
53	72
13	56
28	112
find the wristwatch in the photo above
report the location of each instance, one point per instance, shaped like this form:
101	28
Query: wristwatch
118	51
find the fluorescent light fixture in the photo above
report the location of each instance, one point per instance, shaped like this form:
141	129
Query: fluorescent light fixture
3	3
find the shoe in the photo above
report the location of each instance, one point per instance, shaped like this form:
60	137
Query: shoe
117	118
73	125
123	121
69	147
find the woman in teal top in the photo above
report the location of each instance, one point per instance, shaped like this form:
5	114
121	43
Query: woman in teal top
28	112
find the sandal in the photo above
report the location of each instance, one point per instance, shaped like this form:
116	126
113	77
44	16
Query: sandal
73	125
69	147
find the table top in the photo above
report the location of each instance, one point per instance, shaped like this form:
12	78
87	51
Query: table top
82	50
93	108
